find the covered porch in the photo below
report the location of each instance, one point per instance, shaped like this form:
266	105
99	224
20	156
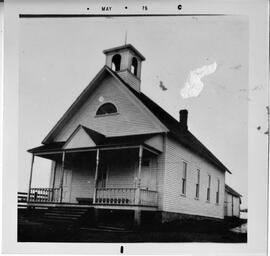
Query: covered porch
119	176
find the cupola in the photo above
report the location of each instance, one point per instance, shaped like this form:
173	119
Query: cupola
126	61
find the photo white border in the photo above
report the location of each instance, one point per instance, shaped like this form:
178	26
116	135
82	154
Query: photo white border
257	11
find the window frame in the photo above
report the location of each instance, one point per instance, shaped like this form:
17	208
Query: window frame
208	189
135	65
113	62
197	187
184	178
107	114
218	190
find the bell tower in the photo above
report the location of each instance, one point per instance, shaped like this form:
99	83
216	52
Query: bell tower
126	61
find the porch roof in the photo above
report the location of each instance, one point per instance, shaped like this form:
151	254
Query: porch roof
231	191
106	142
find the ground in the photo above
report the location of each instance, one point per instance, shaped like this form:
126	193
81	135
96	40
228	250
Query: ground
176	236
177	231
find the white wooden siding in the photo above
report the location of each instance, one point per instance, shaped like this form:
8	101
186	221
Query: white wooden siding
236	207
121	176
228	200
57	175
53	163
233	205
173	200
155	142
79	139
160	167
130	120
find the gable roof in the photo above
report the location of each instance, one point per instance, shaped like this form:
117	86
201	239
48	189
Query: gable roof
83	137
232	191
94	135
80	100
184	136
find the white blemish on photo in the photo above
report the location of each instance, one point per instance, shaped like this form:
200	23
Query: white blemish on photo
194	85
101	99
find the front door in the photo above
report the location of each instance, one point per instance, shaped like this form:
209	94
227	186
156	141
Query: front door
146	174
67	185
102	175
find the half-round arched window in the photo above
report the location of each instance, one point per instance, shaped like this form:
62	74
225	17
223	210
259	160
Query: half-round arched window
116	61
107	108
134	66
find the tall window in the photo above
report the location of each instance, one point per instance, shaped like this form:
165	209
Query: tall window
134	66
107	108
116	61
197	193
217	195
208	188
184	178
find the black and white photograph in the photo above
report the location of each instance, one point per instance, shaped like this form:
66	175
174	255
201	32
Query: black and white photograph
142	147
135	128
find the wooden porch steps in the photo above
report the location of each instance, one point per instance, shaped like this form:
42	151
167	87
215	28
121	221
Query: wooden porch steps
67	216
26	216
52	224
58	217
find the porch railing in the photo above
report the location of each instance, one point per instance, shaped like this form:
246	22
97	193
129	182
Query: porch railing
105	196
22	200
123	196
148	197
45	195
126	196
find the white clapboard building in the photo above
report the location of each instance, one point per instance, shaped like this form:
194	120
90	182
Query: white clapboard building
116	149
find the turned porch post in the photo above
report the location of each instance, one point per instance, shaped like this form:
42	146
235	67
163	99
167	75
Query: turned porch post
96	177
137	213
53	181
62	175
30	178
137	199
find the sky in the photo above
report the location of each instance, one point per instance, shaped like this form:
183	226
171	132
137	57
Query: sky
60	56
